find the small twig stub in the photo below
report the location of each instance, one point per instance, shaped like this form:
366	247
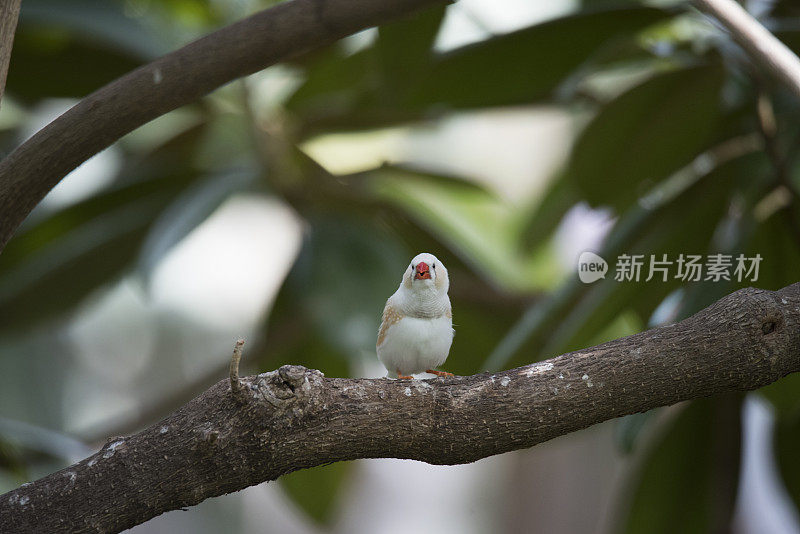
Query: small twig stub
237	356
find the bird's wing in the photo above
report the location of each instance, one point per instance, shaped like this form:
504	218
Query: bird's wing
390	317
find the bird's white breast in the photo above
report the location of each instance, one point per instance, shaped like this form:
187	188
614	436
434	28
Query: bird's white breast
413	345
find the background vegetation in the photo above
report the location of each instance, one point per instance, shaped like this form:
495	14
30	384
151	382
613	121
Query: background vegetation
312	183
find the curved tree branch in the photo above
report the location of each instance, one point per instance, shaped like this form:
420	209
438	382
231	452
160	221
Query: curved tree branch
764	48
295	418
173	80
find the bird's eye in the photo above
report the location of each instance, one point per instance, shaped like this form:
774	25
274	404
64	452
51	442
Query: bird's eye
434	265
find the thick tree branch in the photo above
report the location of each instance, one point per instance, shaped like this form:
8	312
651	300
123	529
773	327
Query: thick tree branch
9	13
171	81
764	48
295	418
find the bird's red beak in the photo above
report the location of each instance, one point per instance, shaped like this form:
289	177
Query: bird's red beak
423	272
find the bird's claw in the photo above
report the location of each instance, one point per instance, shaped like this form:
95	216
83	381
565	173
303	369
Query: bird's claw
439	373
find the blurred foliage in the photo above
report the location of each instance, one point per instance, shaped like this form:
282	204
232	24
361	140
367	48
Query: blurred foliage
613	143
688	480
685	145
316	489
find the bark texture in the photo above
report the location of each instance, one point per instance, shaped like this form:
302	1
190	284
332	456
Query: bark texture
9	13
294	418
171	81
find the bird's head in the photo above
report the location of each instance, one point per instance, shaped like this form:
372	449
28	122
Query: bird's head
426	272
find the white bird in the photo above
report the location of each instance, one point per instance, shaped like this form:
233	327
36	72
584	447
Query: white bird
417	327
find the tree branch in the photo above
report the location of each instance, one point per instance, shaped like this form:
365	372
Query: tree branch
295	418
273	35
764	48
9	13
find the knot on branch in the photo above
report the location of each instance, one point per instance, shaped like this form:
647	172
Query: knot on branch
767	311
766	320
292	375
285	385
757	312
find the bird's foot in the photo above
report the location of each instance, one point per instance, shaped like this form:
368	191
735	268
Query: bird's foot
404	377
439	373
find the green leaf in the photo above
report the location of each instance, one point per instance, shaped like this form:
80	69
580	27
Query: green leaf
59	275
490	73
53	263
471	221
390	84
56	64
405	48
363	88
646	134
315	490
334	85
69	49
688	481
